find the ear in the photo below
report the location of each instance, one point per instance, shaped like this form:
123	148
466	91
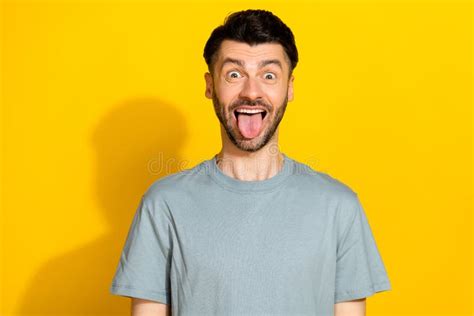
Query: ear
209	88
290	88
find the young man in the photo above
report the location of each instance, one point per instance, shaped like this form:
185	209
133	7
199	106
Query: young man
250	231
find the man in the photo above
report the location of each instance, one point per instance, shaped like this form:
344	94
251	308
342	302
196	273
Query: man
250	231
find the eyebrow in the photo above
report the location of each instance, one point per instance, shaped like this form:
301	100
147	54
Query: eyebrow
270	61
261	64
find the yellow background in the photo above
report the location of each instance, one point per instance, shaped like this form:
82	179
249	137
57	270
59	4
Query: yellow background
101	98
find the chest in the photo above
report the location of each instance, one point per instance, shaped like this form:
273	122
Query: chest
284	235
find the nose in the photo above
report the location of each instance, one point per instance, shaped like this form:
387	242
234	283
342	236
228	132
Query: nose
251	89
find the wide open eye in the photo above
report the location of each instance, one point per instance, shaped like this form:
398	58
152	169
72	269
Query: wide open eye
270	76
234	74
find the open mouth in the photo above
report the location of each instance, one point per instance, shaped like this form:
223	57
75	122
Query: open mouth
250	121
262	113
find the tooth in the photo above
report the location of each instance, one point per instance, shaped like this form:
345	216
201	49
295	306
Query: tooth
250	111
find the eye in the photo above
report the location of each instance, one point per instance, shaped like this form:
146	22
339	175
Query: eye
233	74
270	75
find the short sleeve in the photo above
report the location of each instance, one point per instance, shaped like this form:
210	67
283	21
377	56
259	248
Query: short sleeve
144	265
360	271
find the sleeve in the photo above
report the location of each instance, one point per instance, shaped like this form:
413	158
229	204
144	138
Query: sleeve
360	271
145	261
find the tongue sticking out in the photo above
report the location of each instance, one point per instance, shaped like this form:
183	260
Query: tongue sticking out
249	125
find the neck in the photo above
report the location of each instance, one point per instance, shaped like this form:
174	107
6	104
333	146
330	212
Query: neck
251	166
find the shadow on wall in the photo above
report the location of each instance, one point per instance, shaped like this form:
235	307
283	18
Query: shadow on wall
136	143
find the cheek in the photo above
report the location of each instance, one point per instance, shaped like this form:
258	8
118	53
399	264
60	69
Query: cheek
227	93
276	96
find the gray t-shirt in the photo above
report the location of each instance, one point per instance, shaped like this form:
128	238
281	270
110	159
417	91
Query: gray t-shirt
209	244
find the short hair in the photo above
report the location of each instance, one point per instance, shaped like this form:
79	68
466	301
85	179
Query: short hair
252	27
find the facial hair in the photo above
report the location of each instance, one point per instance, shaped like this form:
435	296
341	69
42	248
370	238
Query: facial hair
258	142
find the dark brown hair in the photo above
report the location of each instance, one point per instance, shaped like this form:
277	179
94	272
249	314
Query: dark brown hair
252	27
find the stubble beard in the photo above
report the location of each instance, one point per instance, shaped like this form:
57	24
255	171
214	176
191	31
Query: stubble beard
249	145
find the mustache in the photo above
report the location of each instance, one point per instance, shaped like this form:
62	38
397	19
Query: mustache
240	102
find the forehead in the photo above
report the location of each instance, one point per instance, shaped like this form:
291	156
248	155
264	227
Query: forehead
251	55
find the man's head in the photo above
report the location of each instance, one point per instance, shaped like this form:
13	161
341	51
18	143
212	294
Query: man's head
252	27
250	58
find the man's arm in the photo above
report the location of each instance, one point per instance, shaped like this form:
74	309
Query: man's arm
350	308
149	308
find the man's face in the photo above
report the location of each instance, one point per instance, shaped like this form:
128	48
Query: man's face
250	79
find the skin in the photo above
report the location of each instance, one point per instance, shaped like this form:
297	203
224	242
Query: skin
149	308
239	78
249	75
351	308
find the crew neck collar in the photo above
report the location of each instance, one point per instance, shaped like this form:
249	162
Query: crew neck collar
249	186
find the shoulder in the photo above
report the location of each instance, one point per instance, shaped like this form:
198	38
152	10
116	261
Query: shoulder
173	184
335	193
321	182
